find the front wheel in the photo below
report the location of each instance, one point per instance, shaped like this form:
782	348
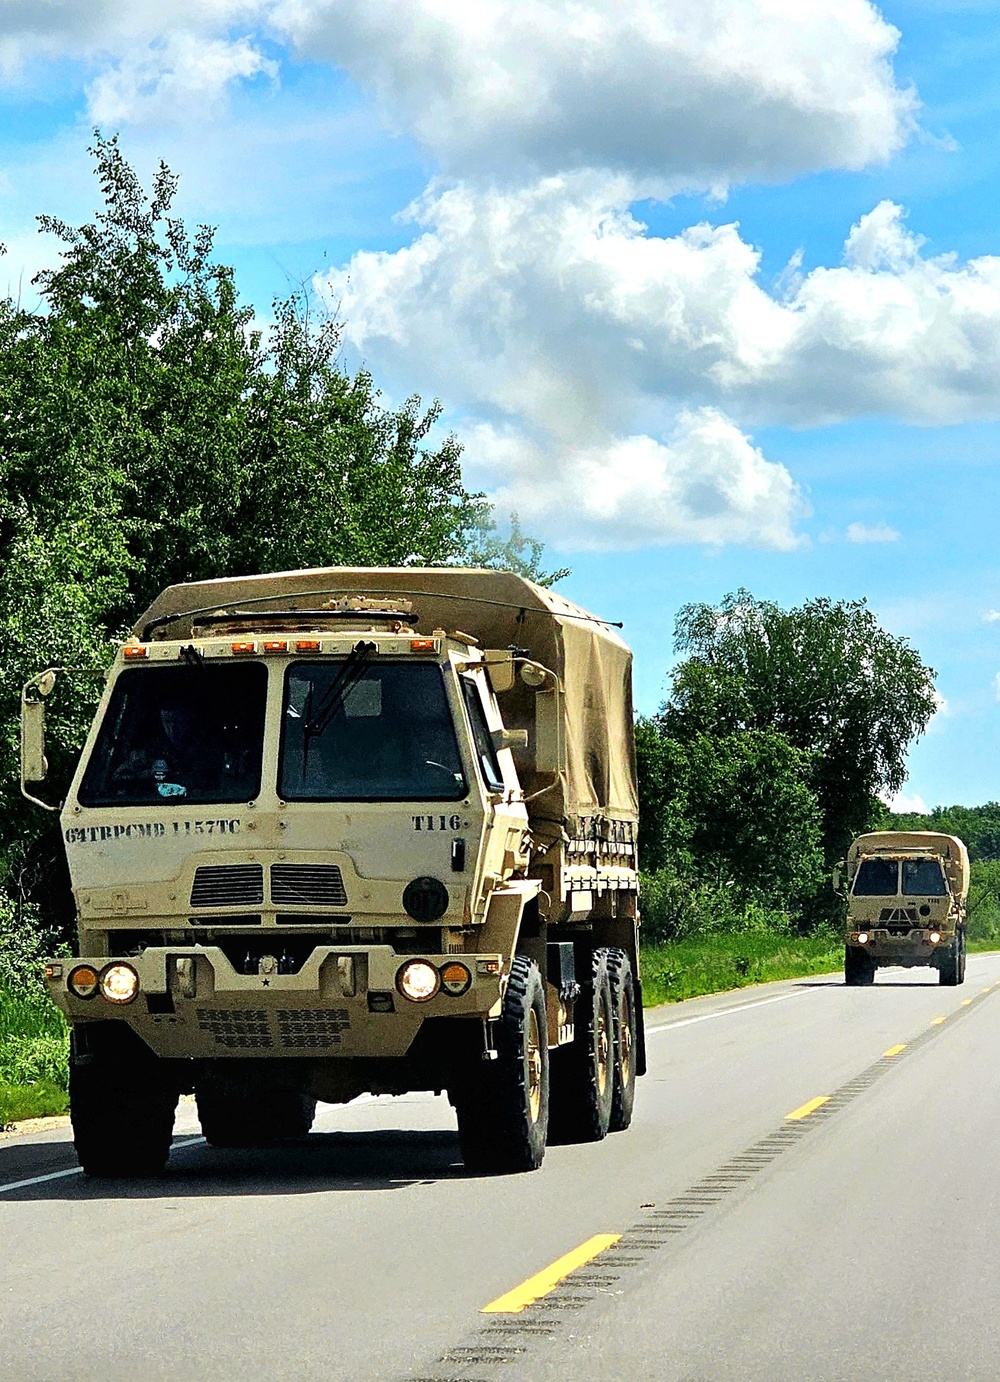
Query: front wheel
951	963
122	1105
503	1107
859	967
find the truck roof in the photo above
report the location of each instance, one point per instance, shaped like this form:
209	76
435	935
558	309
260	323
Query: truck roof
949	848
499	610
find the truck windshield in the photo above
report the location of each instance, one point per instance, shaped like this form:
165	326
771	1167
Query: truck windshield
179	734
923	878
378	731
876	878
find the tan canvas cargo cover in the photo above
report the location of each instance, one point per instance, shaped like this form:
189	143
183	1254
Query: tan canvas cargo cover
500	610
949	849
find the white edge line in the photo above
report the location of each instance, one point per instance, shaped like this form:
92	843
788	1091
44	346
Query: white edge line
78	1170
740	1007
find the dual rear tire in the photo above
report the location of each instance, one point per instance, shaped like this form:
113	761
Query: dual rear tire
528	1096
238	1118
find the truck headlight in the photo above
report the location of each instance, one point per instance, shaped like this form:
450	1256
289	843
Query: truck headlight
934	937
119	983
83	981
862	938
418	980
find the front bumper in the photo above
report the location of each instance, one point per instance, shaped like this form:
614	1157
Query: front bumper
915	948
343	1002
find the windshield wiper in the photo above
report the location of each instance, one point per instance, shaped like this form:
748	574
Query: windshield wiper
340	688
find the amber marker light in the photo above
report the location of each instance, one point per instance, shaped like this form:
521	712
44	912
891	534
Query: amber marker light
421	645
276	645
119	983
83	981
134	652
487	966
455	978
418	980
242	649
307	645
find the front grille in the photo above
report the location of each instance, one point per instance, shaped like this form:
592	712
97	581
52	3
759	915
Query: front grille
898	914
228	885
312	1029
318	885
240	1029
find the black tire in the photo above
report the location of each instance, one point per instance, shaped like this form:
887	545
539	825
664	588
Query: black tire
859	967
950	967
122	1106
503	1105
255	1118
625	1039
583	1071
961	957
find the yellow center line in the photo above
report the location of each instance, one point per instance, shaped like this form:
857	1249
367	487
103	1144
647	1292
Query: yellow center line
965	1002
895	1050
806	1109
936	1021
985	990
549	1278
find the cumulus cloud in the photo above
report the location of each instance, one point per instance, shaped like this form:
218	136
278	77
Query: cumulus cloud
173	80
706	484
992	616
905	803
551	309
678	92
875	532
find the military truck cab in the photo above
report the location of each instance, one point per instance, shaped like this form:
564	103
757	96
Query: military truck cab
349	831
906	899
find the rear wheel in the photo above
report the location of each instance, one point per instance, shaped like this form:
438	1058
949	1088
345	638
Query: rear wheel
961	958
583	1071
258	1118
859	967
623	1012
503	1106
122	1104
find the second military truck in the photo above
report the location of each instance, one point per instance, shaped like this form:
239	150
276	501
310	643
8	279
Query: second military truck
906	896
345	831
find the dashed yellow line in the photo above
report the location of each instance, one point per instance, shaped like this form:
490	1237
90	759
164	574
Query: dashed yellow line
895	1050
539	1285
936	1021
965	1002
804	1112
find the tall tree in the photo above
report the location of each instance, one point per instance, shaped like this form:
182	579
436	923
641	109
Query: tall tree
826	676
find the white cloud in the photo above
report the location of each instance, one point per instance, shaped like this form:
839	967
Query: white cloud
876	532
996	686
992	616
707	484
173	80
904	803
678	92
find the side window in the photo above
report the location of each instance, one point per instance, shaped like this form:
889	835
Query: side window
486	754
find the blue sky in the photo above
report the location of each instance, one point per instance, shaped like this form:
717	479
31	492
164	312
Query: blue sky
677	408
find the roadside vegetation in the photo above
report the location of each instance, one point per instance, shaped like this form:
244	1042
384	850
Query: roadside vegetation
152	432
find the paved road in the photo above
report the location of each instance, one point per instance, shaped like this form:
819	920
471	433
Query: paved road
859	1239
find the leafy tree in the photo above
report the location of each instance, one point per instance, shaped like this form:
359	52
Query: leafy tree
732	810
825	676
150	434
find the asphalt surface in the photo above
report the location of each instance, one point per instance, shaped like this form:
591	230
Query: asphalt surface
859	1239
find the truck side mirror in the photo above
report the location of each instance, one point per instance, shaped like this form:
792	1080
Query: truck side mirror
34	764
838	878
499	668
550	738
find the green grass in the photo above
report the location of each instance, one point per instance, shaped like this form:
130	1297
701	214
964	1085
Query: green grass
34	1053
730	960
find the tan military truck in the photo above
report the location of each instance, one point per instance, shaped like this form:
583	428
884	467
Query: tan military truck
346	831
906	895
